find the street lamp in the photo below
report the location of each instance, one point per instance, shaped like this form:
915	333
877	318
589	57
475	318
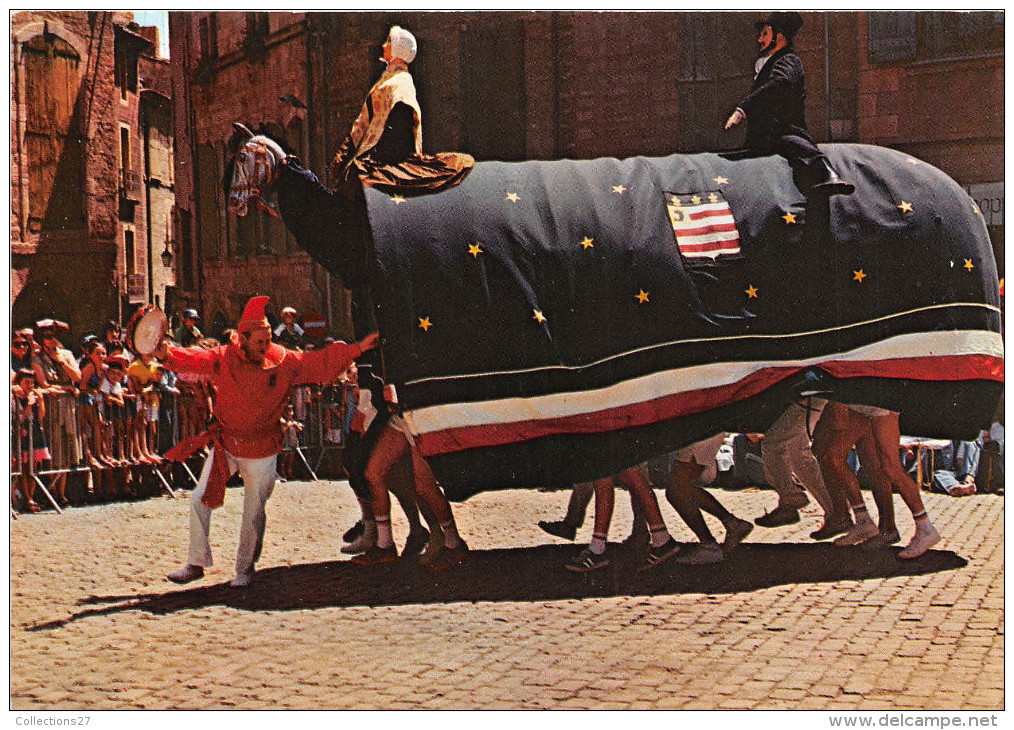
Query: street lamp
167	255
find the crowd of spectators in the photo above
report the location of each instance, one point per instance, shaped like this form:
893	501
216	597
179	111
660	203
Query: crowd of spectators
90	423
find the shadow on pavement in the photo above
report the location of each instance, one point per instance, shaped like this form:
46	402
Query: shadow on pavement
523	574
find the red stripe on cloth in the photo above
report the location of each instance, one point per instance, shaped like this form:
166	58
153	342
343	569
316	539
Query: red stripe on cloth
945	368
698	214
721	245
710	228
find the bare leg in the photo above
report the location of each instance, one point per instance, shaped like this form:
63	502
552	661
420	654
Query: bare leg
887	435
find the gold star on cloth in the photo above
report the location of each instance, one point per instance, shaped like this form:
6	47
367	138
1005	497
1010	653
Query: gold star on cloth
513	197
696	200
789	218
721	180
587	243
619	189
425	324
538	316
642	296
475	250
398	199
712	198
676	202
751	292
905	207
859	276
969	265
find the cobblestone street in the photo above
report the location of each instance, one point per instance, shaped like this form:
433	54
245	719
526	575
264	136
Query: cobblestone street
784	623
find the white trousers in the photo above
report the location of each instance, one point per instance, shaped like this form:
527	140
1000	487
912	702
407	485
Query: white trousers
259	476
786	451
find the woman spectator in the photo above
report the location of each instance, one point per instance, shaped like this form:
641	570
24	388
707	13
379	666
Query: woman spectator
29	411
59	368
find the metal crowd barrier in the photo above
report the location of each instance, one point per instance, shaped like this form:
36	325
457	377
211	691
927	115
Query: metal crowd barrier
321	410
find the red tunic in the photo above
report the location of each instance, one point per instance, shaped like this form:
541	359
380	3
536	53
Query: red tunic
251	397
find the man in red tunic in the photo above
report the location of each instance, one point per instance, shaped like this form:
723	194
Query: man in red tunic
253	377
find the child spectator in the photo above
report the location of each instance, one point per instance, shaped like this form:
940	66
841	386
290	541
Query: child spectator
165	386
114	408
142	374
29	410
291	431
93	368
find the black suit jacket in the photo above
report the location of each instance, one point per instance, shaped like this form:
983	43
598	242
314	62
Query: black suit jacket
775	106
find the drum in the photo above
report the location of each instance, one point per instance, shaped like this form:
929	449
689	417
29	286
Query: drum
146	330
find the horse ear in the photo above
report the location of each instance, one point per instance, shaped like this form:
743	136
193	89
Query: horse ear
242	129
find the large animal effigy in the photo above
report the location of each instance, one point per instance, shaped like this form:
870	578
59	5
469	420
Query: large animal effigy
549	322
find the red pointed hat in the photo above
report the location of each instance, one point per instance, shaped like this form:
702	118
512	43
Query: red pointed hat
253	316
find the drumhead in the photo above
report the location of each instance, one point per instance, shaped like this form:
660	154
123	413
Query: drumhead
146	329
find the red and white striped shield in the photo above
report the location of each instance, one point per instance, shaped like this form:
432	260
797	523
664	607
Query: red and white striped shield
703	224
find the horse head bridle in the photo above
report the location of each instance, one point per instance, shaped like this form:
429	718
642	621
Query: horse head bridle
255	170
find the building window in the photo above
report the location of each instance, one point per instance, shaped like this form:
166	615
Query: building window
255	36
209	36
124	148
129	253
208	196
957	35
54	144
895	37
124	65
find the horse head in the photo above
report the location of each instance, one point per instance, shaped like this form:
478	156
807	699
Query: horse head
254	169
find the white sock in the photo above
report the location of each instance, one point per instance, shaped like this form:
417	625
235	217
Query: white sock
385	538
659	535
922	523
598	544
451	537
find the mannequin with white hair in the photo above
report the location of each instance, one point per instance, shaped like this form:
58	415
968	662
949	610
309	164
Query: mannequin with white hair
384	147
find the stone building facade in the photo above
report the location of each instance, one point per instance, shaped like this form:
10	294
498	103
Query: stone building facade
79	214
547	85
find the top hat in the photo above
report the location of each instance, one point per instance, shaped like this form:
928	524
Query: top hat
786	23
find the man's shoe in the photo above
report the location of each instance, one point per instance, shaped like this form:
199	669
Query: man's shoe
707	553
355	531
778	516
922	542
242	580
638	538
559	529
735	532
186	574
417	540
832	527
434	547
376	556
448	558
586	562
658	555
859	534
